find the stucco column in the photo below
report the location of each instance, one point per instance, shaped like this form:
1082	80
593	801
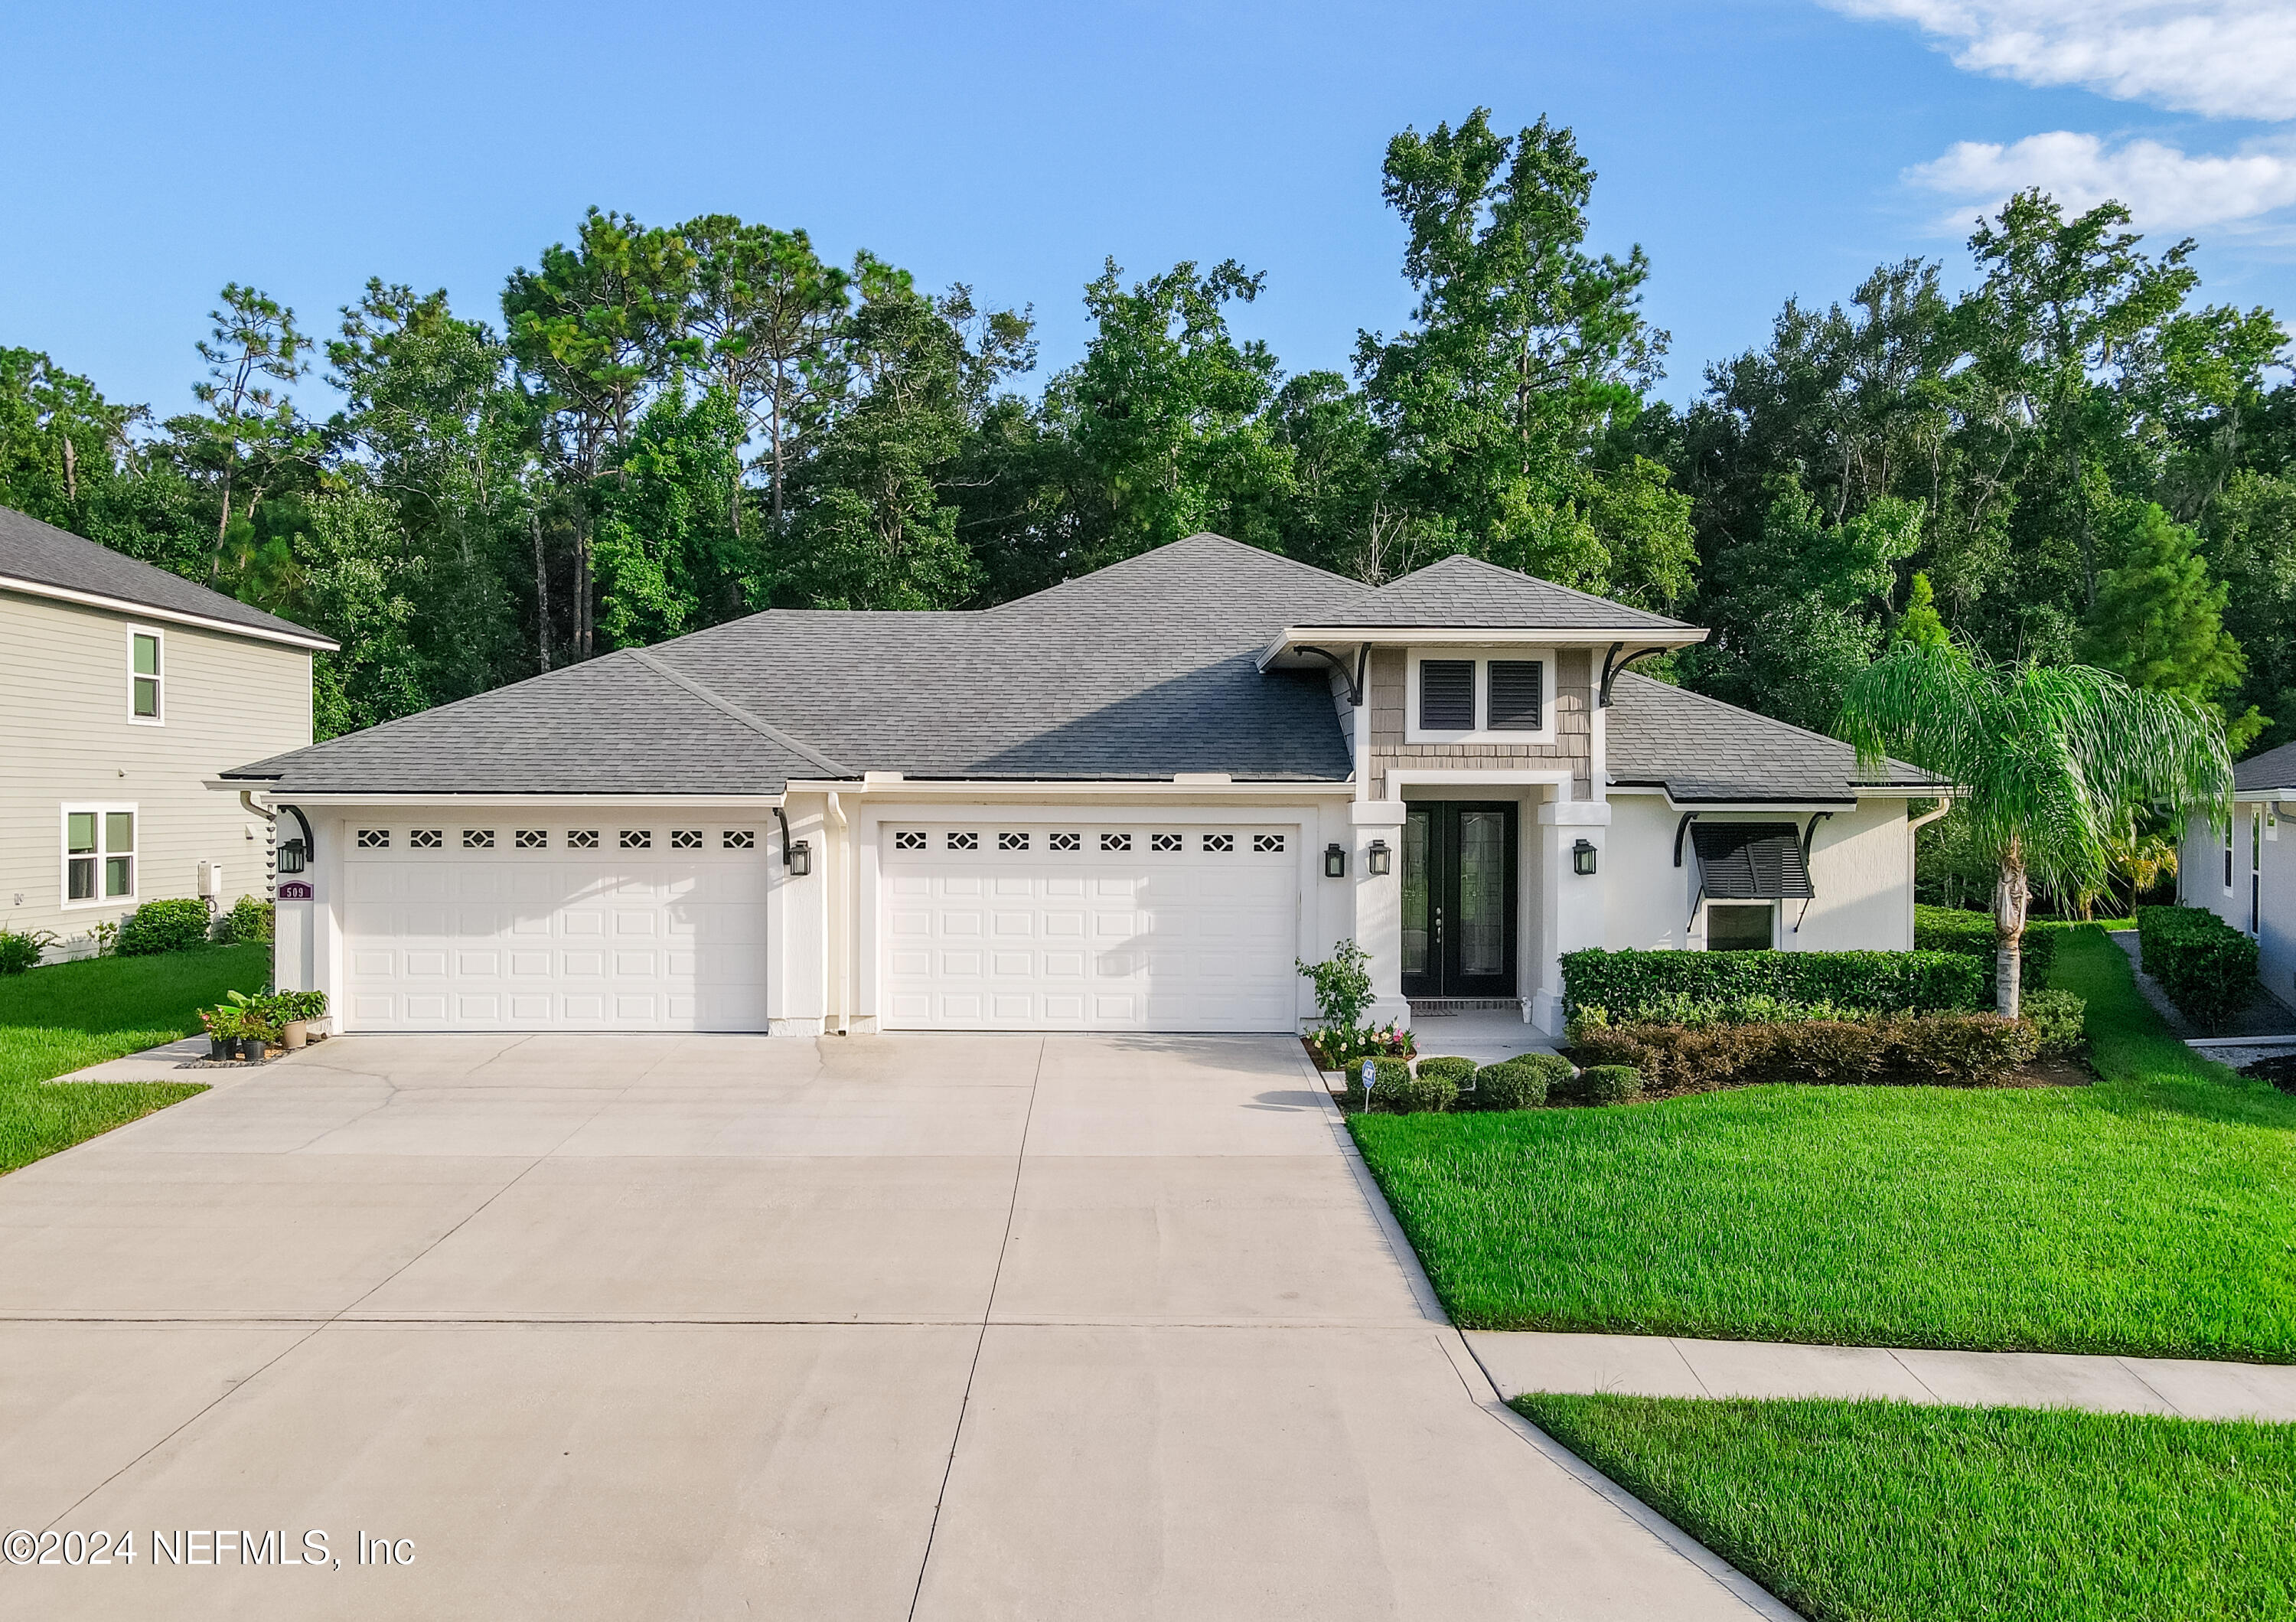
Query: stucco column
1572	907
1379	904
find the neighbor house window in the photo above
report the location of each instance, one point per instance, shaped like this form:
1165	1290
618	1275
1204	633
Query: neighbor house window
144	678
99	854
1739	928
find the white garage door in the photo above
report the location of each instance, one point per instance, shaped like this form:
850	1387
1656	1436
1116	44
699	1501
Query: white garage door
1036	926
613	924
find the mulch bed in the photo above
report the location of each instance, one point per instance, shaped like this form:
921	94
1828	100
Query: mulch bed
2280	1072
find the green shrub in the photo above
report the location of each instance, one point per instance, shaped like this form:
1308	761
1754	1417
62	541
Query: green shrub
1642	987
1395	1091
1941	1049
2059	1019
1520	1083
2207	967
1942	928
162	926
22	949
1677	1008
249	922
1609	1083
1956	1049
1343	994
1460	1071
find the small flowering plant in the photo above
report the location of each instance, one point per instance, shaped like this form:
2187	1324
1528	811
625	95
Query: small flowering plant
1386	1042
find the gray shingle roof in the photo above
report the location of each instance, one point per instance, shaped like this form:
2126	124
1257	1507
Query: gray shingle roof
1136	672
2276	768
42	553
1468	593
1701	749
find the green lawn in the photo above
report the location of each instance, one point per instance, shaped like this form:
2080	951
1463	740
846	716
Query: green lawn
1881	1511
2153	1213
56	1019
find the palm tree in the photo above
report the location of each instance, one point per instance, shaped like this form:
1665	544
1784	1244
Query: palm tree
2048	761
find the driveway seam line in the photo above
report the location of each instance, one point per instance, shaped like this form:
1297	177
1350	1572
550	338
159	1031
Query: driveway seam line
988	1312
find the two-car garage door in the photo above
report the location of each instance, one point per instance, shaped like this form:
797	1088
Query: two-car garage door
632	923
1015	925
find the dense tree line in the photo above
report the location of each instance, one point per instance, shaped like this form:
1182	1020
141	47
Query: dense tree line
671	426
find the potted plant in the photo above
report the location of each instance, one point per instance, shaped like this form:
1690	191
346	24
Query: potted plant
258	1028
295	1012
223	1031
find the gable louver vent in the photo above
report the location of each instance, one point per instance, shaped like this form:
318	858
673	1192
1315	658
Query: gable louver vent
1447	695
1752	862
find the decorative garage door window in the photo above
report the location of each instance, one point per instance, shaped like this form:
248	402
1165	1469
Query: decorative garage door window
1068	841
531	839
582	839
1012	842
374	839
637	839
1267	844
478	839
739	839
909	839
1164	841
1219	844
963	841
686	838
1116	841
427	839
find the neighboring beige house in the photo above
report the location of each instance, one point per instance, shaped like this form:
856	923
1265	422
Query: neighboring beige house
125	691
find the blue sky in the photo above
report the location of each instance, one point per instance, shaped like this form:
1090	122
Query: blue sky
1757	149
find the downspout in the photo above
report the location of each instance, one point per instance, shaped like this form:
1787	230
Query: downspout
839	923
1362	718
1914	824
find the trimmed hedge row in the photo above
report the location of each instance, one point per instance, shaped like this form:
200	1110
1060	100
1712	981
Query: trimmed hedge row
1948	928
162	926
1965	1050
2207	967
1637	987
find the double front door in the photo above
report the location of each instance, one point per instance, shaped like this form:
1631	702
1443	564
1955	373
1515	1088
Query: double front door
1459	900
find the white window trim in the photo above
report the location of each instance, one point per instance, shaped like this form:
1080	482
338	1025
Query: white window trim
2232	834
158	681
135	854
1705	909
2272	819
1481	733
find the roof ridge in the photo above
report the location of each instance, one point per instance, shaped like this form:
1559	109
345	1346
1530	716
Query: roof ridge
726	707
1244	547
1516	574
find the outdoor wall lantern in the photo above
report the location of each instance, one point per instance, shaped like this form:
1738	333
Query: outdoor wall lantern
800	858
1336	862
1379	858
1582	859
291	856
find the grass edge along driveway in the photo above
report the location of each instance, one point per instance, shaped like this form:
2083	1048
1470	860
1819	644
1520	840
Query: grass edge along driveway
60	1019
2153	1213
1888	1510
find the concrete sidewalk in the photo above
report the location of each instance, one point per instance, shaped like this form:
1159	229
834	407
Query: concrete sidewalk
1656	1365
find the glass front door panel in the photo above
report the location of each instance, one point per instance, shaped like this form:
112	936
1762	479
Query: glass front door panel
1482	911
1417	881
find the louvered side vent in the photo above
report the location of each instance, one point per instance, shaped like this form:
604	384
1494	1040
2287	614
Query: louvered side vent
1447	695
1752	860
1518	695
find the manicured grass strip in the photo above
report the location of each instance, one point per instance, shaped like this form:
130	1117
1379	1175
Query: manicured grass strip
62	1018
58	1019
1878	1511
2153	1213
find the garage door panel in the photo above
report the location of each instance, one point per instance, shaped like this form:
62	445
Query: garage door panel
1144	931
552	938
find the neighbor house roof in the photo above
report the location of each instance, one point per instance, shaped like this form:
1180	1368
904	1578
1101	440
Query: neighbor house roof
45	560
1701	749
2276	768
1138	672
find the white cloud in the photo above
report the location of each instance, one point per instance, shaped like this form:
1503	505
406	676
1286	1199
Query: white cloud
2167	190
2223	59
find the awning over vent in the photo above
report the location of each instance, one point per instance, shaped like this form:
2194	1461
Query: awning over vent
1752	860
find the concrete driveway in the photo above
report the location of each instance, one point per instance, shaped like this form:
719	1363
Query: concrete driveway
881	1327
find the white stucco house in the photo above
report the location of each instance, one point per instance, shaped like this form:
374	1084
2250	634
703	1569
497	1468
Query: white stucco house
124	688
1127	803
2245	873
